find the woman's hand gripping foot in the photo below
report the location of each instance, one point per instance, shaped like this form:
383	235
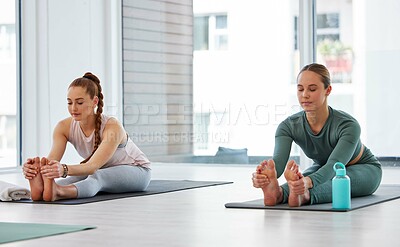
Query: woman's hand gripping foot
298	185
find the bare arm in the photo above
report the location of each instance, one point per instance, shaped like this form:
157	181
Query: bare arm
113	135
60	134
60	138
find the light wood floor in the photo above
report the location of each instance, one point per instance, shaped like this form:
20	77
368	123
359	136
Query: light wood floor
198	217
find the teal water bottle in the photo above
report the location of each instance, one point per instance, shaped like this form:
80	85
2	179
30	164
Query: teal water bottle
341	195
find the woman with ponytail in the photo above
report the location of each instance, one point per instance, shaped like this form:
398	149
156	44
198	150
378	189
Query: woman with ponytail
112	162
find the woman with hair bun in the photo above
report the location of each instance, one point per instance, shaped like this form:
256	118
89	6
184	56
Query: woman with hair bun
112	162
326	136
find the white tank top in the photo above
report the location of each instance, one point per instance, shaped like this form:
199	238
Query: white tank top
126	154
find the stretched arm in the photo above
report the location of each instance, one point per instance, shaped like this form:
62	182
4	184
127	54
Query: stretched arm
283	145
60	134
345	148
60	139
113	135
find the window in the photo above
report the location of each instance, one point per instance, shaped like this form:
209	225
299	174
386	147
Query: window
328	27
221	32
201	33
325	21
241	94
366	54
201	122
8	84
211	32
332	50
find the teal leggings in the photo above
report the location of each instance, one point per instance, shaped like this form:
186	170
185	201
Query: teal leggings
365	180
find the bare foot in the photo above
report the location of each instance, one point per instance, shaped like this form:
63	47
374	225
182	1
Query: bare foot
36	183
272	192
292	174
53	192
49	192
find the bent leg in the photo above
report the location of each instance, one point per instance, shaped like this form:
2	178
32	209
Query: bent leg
285	186
116	179
364	178
52	191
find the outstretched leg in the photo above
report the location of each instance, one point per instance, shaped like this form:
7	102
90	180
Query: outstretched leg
272	192
48	192
53	191
36	183
116	179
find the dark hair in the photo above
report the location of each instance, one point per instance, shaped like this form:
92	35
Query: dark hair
321	70
91	83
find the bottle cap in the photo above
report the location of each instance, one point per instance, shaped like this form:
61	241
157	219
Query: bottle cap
341	171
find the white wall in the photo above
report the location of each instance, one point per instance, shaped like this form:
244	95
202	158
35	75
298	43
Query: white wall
61	40
382	63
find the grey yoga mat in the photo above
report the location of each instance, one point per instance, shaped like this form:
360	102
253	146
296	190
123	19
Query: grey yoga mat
383	194
155	187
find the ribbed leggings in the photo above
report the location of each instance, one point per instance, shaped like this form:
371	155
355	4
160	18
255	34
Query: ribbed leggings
364	179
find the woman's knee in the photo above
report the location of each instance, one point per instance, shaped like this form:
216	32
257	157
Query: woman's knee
366	181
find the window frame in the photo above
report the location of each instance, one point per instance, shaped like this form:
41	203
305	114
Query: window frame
213	31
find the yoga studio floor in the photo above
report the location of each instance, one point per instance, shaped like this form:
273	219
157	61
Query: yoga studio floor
197	217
